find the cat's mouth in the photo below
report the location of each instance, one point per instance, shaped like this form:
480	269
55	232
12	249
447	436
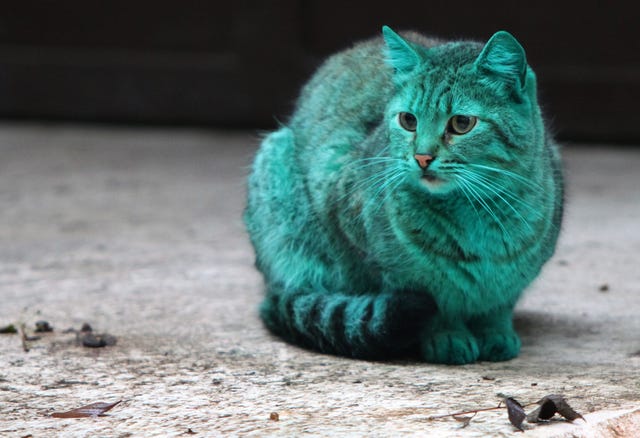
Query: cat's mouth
431	180
429	176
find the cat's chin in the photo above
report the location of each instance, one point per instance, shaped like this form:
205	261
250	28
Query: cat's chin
434	184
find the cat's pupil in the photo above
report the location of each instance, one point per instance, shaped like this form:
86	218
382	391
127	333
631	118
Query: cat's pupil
408	121
462	122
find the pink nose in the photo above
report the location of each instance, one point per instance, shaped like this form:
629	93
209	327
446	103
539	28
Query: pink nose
423	160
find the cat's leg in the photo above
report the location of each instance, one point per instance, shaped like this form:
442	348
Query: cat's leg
447	340
495	335
363	326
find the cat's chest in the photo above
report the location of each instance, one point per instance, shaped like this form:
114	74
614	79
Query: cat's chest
450	243
458	230
478	270
449	232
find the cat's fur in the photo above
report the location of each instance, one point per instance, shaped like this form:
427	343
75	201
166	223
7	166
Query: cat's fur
366	254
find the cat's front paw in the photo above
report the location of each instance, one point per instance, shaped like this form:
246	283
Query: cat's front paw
450	347
498	346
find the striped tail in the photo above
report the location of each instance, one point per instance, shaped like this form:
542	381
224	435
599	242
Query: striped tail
363	326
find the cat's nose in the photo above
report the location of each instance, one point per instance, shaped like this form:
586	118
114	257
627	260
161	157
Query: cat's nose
423	160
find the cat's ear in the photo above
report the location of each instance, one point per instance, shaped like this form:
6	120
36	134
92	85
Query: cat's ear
400	54
504	57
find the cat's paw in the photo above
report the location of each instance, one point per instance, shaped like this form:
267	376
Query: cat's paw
498	346
450	347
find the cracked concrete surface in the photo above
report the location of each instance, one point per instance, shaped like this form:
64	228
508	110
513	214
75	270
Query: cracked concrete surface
138	232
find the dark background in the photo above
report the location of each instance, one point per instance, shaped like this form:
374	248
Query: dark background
240	64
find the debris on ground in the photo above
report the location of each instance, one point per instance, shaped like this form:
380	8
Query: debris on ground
92	410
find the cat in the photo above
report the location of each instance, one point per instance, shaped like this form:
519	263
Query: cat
410	199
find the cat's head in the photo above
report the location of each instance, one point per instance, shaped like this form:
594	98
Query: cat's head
461	109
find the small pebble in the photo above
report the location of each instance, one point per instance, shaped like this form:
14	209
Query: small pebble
110	340
43	327
98	341
8	329
92	341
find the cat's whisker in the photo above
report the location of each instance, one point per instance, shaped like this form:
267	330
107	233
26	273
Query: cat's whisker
382	178
396	174
378	156
391	185
373	179
504	191
377	178
507	173
495	185
473	190
370	163
375	159
477	179
464	191
382	153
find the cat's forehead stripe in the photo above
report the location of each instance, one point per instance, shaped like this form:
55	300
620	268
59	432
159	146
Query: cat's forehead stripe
434	98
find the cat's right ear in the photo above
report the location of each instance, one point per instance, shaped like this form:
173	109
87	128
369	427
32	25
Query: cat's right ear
400	54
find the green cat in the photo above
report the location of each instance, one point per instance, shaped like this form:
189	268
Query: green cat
408	202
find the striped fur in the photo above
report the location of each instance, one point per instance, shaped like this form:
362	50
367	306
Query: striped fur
366	252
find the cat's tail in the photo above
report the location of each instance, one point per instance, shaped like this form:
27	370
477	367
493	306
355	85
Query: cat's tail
368	326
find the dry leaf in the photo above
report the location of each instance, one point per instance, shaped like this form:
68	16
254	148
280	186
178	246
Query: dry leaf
551	404
92	410
516	412
567	411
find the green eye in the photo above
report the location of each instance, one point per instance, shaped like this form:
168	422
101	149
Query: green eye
461	124
408	121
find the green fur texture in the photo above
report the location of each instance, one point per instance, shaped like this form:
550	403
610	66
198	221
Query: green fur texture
370	251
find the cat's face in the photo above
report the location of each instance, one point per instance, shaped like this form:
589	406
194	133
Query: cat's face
463	114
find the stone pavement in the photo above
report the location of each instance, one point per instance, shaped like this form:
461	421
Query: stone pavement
138	232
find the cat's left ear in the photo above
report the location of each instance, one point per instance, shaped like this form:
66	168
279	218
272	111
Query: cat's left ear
400	53
504	57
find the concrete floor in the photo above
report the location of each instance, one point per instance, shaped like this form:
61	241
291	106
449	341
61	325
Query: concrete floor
138	232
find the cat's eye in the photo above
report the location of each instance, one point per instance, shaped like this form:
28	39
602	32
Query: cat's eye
408	121
461	124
